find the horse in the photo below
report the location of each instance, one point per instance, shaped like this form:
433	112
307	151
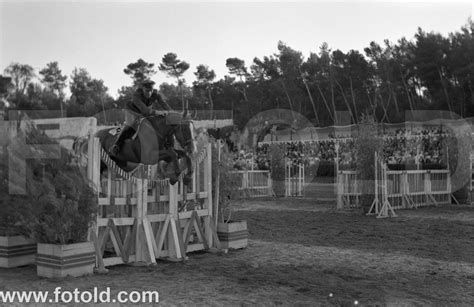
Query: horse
157	138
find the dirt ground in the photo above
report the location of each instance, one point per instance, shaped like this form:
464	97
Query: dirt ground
303	252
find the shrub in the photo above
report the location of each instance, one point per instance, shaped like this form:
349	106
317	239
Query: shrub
16	204
66	207
458	148
229	181
58	204
422	166
366	145
277	154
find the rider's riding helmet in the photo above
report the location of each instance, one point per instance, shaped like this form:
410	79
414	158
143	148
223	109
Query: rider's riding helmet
148	84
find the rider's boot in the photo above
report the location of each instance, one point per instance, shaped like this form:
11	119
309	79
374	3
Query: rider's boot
126	132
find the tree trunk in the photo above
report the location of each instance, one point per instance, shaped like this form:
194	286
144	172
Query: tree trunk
211	102
61	107
103	110
471	91
332	97
445	90
385	108
353	97
410	102
286	93
375	98
244	91
393	94
326	103
373	105
312	101
345	101
181	92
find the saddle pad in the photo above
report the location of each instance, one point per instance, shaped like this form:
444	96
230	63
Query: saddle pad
116	131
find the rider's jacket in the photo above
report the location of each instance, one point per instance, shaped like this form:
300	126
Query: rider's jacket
140	104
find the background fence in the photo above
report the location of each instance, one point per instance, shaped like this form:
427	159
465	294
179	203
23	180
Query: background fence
402	189
255	183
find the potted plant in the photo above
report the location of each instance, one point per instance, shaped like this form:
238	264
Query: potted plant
458	148
64	210
16	248
232	233
277	154
366	145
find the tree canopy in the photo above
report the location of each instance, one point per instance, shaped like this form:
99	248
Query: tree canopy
431	71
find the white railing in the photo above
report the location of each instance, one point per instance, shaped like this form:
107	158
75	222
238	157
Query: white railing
255	183
294	179
415	188
348	191
404	189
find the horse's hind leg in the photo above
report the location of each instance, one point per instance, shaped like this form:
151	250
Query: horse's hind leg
103	167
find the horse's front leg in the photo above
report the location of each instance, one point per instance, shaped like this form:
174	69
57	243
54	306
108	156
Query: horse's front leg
189	165
169	156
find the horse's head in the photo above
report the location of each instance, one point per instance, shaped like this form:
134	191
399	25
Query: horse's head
184	135
176	129
183	130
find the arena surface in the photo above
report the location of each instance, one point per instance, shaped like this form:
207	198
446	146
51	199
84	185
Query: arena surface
303	252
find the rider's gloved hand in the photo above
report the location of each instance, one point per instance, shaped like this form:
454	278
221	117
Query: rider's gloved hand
160	112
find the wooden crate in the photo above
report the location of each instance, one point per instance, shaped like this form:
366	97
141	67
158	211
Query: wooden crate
57	261
16	251
233	235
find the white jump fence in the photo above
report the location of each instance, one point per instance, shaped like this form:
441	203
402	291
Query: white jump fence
142	219
348	190
255	183
294	179
395	189
258	183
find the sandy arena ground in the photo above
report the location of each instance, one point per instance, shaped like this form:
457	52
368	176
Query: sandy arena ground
303	252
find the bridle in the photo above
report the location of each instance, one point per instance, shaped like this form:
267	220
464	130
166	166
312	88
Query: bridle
186	124
175	130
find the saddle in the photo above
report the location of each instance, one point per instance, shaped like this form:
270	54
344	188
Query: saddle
117	130
135	126
171	119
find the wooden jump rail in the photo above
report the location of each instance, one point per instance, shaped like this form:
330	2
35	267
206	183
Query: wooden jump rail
141	219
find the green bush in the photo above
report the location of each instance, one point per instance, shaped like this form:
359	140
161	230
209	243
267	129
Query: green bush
277	154
15	212
411	166
366	145
66	207
16	204
229	181
325	169
58	204
458	147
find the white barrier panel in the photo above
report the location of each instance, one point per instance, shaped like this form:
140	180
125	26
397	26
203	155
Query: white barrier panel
401	189
255	183
294	179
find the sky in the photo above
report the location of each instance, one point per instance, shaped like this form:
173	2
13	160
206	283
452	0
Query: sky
105	36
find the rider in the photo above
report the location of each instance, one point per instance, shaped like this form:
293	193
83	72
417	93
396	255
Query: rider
146	101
